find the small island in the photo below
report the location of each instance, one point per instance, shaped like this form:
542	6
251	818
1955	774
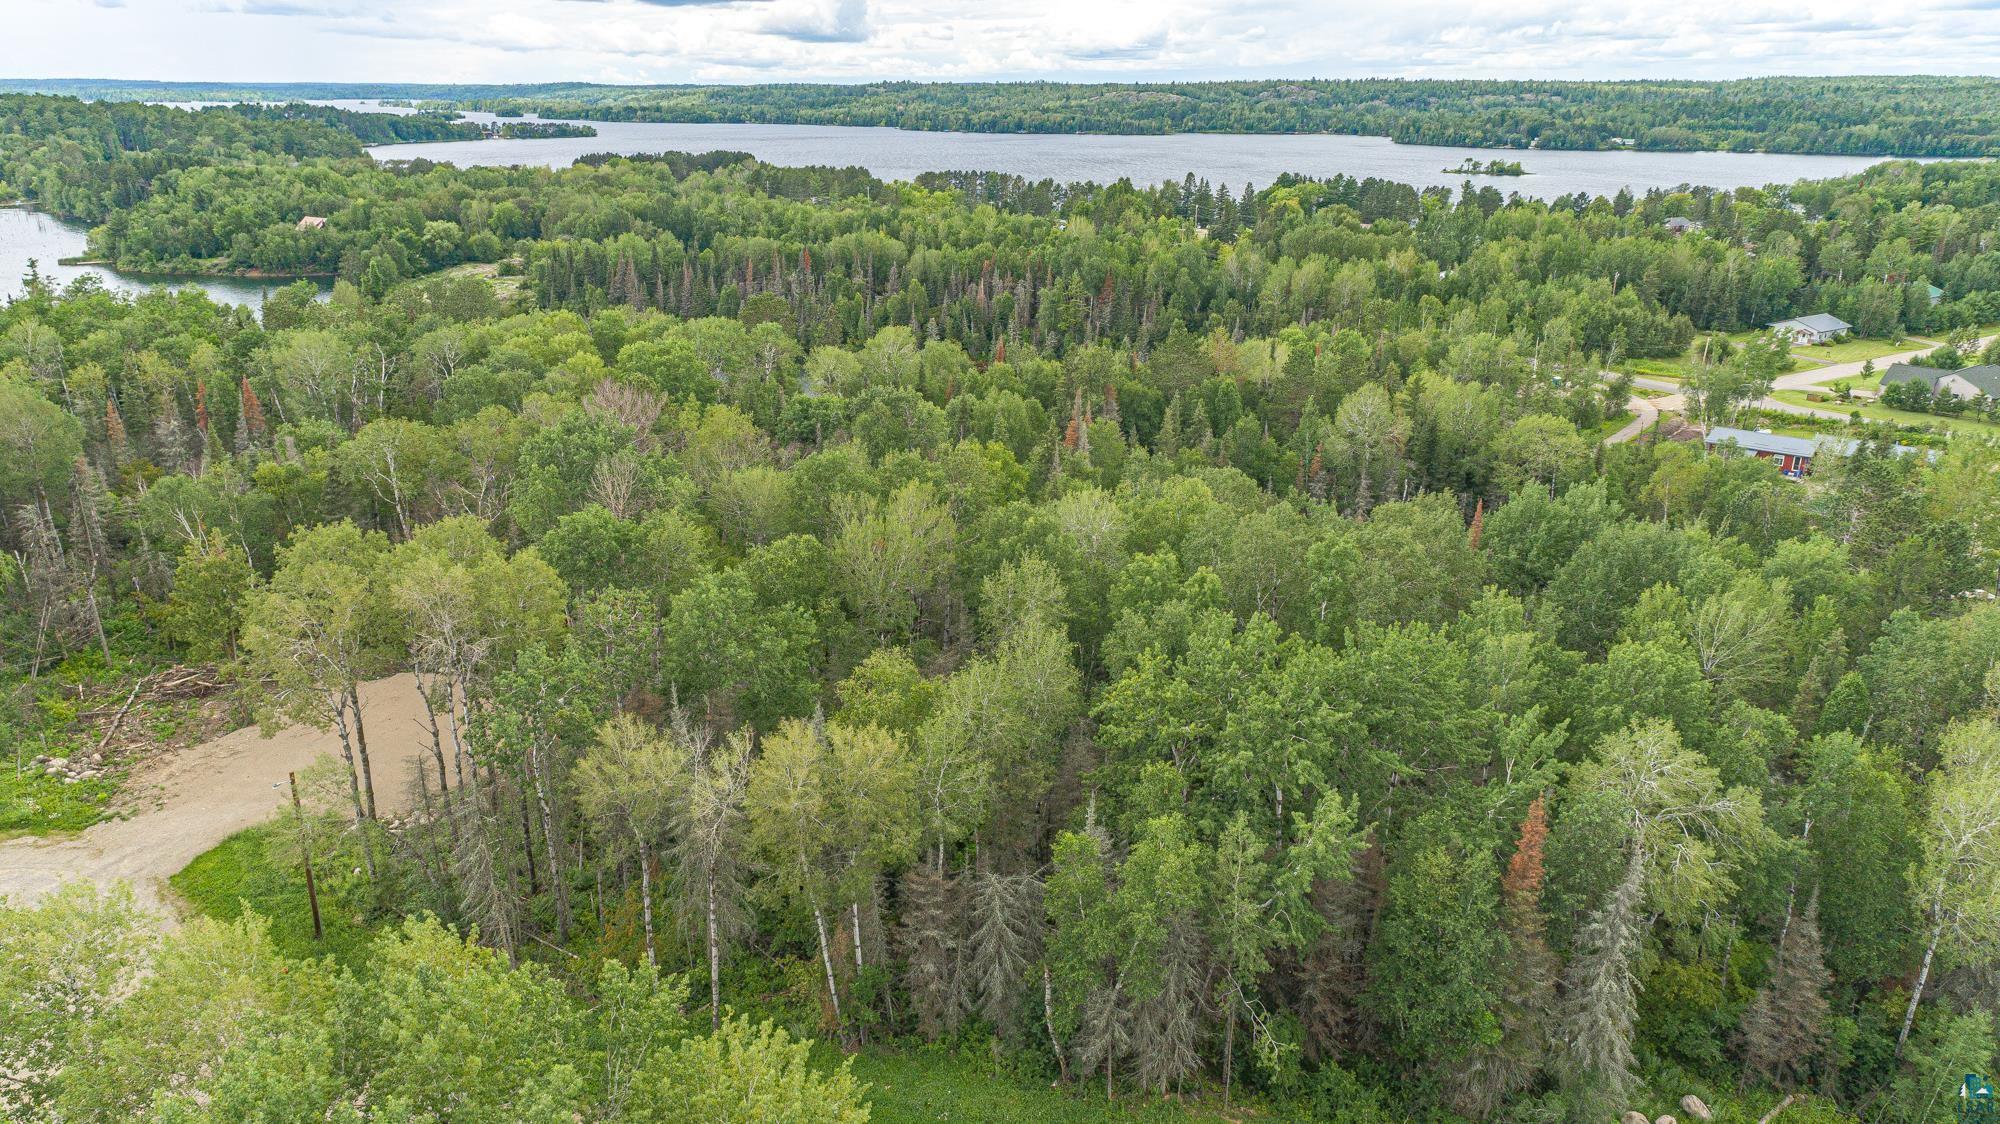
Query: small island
1471	167
539	130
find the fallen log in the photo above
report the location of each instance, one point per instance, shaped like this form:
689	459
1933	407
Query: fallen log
1778	1108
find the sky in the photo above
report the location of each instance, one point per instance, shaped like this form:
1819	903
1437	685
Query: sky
641	41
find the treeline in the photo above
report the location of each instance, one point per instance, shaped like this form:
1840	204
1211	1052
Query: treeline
973	257
88	160
1858	115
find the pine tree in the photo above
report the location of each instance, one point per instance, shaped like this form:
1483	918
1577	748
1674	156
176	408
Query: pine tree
250	426
1785	1028
114	432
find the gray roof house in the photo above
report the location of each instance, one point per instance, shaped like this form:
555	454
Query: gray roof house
1680	225
1820	327
1966	382
1793	455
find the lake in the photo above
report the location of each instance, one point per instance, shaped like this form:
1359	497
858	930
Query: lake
899	154
26	234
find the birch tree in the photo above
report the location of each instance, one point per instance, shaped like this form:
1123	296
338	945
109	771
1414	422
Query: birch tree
313	633
627	783
1956	880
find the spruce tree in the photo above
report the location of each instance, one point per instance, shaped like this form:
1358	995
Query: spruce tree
1527	981
1601	999
1003	938
1785	1028
928	940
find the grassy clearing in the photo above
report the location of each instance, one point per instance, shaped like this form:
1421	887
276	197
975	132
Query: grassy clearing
1680	368
60	714
1876	412
242	871
34	803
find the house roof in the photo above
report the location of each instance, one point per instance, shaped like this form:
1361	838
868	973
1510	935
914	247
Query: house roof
1818	322
1845	446
1752	441
1934	291
1984	377
1910	372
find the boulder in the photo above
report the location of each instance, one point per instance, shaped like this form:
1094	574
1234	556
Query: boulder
1696	1108
1632	1117
1666	1120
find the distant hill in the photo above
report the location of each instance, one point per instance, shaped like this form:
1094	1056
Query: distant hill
1875	115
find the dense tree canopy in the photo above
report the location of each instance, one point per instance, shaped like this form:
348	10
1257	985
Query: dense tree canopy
1177	644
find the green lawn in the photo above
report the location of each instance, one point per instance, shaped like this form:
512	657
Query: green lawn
240	872
1877	412
1613	424
1680	367
1854	350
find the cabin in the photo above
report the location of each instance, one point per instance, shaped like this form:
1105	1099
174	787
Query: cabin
1966	382
313	222
1794	455
1820	327
1934	293
1679	225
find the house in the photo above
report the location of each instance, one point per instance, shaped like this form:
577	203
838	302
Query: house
1794	455
1966	382
1820	327
1936	294
313	222
1679	225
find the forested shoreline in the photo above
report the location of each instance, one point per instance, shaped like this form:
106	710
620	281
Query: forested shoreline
1858	115
1181	644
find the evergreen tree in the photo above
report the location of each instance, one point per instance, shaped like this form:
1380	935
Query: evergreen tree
1785	1028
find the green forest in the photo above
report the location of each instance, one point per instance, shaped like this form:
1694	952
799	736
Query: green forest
1124	651
1861	115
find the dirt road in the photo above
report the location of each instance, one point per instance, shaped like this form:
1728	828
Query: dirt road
187	802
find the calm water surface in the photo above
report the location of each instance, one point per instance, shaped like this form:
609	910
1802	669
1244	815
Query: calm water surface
26	234
899	154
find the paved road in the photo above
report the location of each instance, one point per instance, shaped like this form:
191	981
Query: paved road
1644	414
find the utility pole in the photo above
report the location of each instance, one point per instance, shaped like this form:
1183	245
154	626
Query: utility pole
305	848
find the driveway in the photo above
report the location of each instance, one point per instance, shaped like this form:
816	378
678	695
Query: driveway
1815	376
182	804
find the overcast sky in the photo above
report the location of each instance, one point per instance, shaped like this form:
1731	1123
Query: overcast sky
856	40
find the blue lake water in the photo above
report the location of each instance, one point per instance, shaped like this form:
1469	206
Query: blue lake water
27	235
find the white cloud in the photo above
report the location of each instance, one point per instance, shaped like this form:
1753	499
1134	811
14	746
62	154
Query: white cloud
859	40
